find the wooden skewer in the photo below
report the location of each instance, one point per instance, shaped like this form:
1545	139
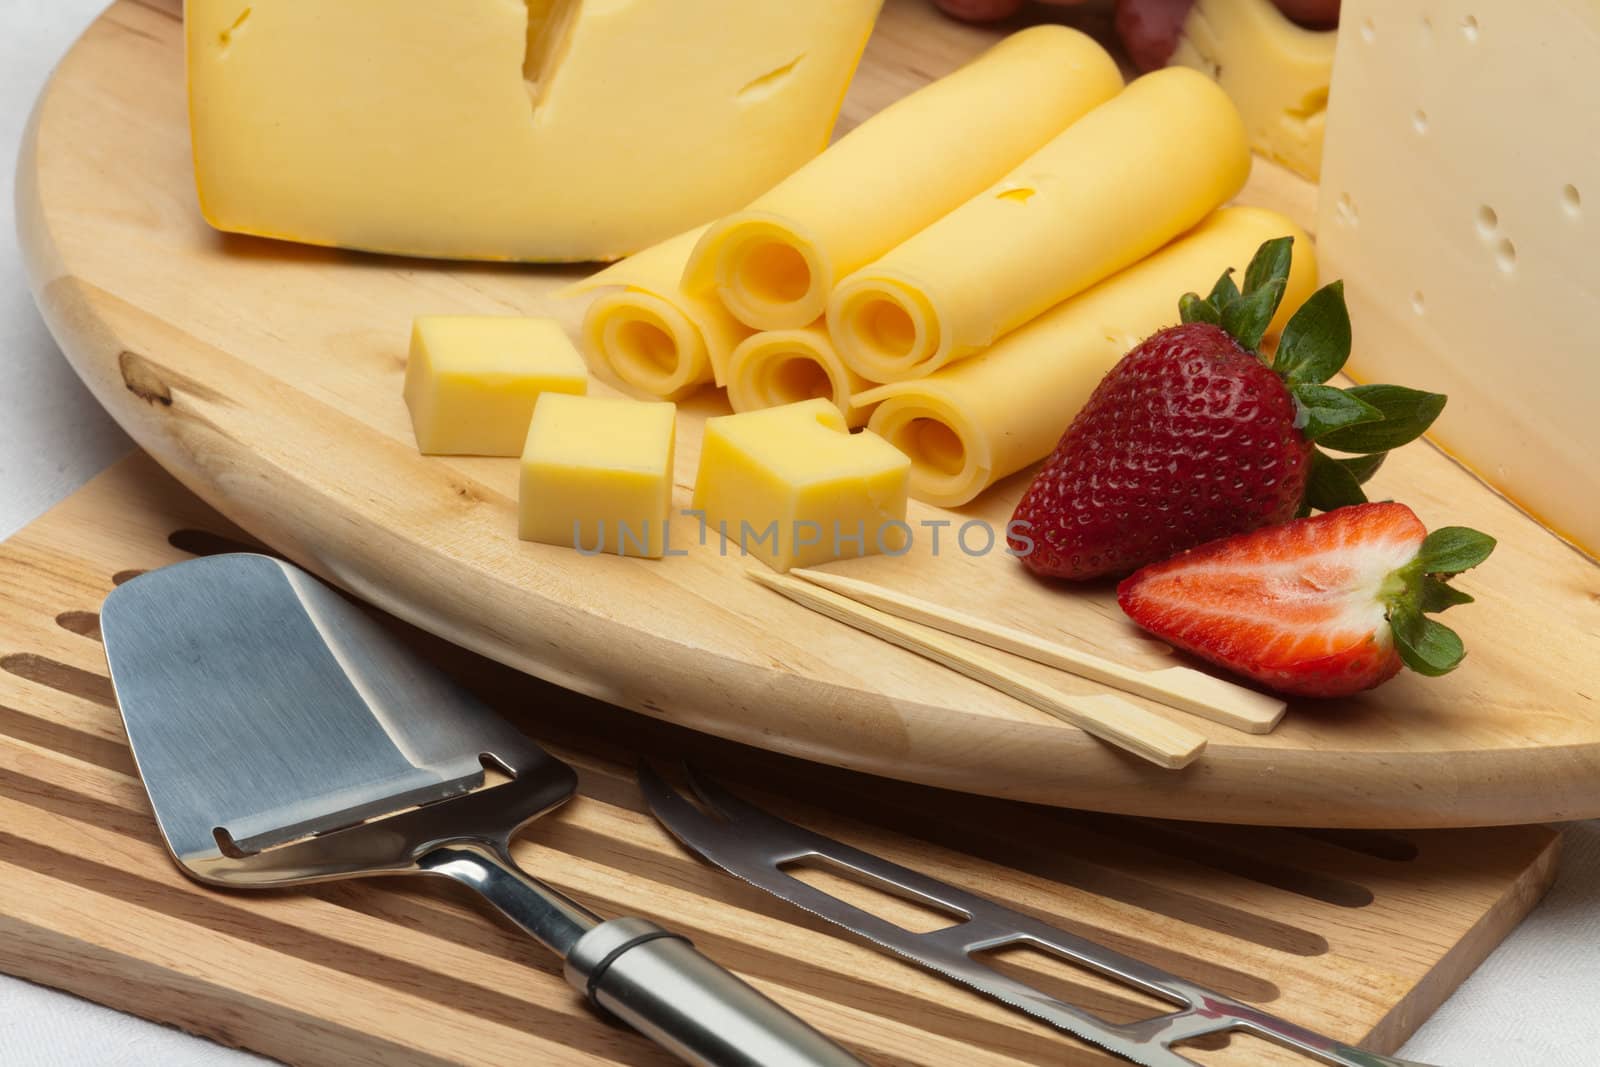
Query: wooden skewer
1108	717
1183	688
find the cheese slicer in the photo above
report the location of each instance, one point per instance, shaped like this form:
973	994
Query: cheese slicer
285	737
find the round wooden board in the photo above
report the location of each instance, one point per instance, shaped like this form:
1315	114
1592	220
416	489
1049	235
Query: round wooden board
266	376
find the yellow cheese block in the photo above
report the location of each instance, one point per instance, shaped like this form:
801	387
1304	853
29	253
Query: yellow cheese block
984	418
597	475
774	263
794	488
657	338
1459	181
471	380
777	367
1277	72
1118	184
469	129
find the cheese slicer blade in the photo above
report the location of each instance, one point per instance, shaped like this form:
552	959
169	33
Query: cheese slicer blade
286	737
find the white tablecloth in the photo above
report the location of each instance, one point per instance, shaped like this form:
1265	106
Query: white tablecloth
1533	1004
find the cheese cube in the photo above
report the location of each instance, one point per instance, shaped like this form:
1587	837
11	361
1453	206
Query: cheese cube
472	379
793	487
506	129
597	475
1276	72
1457	183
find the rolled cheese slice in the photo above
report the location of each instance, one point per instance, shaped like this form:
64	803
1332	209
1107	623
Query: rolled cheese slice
774	263
1115	186
987	417
657	338
777	367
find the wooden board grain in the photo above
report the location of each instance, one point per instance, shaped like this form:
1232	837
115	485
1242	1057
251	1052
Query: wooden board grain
1357	934
267	376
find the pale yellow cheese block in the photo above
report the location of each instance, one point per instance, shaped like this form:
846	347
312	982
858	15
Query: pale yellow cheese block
659	339
1460	182
984	418
472	380
467	129
1277	72
774	263
1118	184
777	367
793	487
596	475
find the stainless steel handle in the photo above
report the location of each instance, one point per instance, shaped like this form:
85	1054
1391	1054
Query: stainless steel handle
549	916
656	982
651	979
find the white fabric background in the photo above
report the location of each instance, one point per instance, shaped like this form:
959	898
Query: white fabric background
1533	1004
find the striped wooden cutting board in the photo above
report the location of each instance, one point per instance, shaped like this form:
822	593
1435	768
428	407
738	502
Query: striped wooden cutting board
1357	934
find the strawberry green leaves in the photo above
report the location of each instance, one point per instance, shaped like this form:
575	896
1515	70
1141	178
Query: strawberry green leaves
1426	646
1246	313
1363	467
1193	309
1324	409
1269	267
1407	414
1331	484
1453	549
1265	279
1223	293
1247	318
1316	341
1388	416
1314	347
1438	595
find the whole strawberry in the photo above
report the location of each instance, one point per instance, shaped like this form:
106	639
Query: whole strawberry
1325	606
1192	436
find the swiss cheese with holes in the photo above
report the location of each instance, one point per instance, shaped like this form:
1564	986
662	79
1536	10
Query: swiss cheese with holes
1460	174
507	129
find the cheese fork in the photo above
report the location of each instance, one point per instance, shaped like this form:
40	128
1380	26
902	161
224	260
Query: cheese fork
759	847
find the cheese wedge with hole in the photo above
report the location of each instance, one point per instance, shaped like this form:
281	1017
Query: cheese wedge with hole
1120	182
507	129
987	417
774	263
777	367
657	338
1276	72
1459	202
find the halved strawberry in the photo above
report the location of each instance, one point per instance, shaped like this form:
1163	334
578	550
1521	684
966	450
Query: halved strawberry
1324	606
